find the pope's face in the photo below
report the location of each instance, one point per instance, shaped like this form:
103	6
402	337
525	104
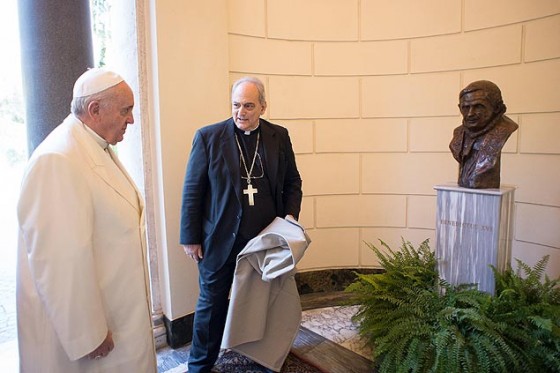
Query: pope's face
476	109
246	108
116	114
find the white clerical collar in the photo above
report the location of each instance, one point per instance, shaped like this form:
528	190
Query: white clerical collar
98	139
248	132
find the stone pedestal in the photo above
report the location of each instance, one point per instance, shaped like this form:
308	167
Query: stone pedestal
473	231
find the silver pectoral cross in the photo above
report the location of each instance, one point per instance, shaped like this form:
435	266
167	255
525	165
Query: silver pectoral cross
250	191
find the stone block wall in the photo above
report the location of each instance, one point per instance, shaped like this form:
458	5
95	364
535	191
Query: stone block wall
369	91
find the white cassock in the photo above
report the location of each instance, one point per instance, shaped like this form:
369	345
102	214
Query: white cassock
265	310
82	267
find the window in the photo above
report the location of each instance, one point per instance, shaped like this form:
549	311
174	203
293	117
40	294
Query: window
13	157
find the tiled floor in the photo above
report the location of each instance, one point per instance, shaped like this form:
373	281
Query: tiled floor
333	323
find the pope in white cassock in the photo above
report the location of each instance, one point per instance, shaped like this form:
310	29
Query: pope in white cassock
82	284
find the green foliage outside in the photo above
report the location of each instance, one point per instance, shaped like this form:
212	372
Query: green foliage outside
416	322
13	151
101	28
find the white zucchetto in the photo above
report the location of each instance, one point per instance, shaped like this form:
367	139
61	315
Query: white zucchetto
95	80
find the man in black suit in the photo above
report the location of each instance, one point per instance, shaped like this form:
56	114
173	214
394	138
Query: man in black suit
241	174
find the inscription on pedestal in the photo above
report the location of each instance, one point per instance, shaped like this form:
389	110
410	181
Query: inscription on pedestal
458	224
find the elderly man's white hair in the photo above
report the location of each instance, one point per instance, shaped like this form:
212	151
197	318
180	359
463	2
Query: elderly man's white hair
92	85
257	82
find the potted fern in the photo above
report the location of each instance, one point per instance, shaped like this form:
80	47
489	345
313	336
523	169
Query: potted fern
416	322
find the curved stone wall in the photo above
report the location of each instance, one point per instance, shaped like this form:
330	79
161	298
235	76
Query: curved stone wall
369	91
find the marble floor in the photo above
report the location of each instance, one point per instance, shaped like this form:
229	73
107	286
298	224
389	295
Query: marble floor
333	323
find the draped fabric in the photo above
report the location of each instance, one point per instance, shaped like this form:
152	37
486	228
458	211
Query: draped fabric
265	311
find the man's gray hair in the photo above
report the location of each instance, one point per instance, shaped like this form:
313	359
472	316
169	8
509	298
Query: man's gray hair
257	82
79	105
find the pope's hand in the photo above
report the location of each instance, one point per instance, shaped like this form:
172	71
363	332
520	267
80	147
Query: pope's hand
104	348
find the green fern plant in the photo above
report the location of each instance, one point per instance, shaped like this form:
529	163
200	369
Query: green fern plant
528	302
416	322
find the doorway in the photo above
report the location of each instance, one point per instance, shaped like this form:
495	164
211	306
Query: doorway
13	157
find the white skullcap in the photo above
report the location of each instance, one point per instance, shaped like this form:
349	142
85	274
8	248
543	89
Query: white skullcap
95	80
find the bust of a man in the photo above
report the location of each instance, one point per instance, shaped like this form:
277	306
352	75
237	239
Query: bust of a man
477	143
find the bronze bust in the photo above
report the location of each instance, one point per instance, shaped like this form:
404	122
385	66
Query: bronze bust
477	144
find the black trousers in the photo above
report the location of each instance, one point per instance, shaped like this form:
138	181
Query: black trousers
211	312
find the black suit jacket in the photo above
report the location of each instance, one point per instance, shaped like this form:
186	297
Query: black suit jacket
211	206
